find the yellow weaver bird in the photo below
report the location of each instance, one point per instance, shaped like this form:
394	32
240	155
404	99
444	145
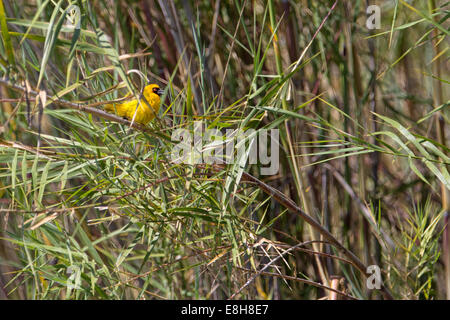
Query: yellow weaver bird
145	112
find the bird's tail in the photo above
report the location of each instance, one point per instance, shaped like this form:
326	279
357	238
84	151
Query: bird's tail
109	107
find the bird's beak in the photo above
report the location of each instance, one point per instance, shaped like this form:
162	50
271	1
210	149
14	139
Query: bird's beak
160	92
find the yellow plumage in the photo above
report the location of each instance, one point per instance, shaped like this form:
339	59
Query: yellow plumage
144	112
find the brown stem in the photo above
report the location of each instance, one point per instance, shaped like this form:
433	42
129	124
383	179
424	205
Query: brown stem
155	47
291	206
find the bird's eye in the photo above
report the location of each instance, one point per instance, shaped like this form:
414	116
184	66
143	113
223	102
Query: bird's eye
155	90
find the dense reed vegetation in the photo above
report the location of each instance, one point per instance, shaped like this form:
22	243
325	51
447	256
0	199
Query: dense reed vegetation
93	206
